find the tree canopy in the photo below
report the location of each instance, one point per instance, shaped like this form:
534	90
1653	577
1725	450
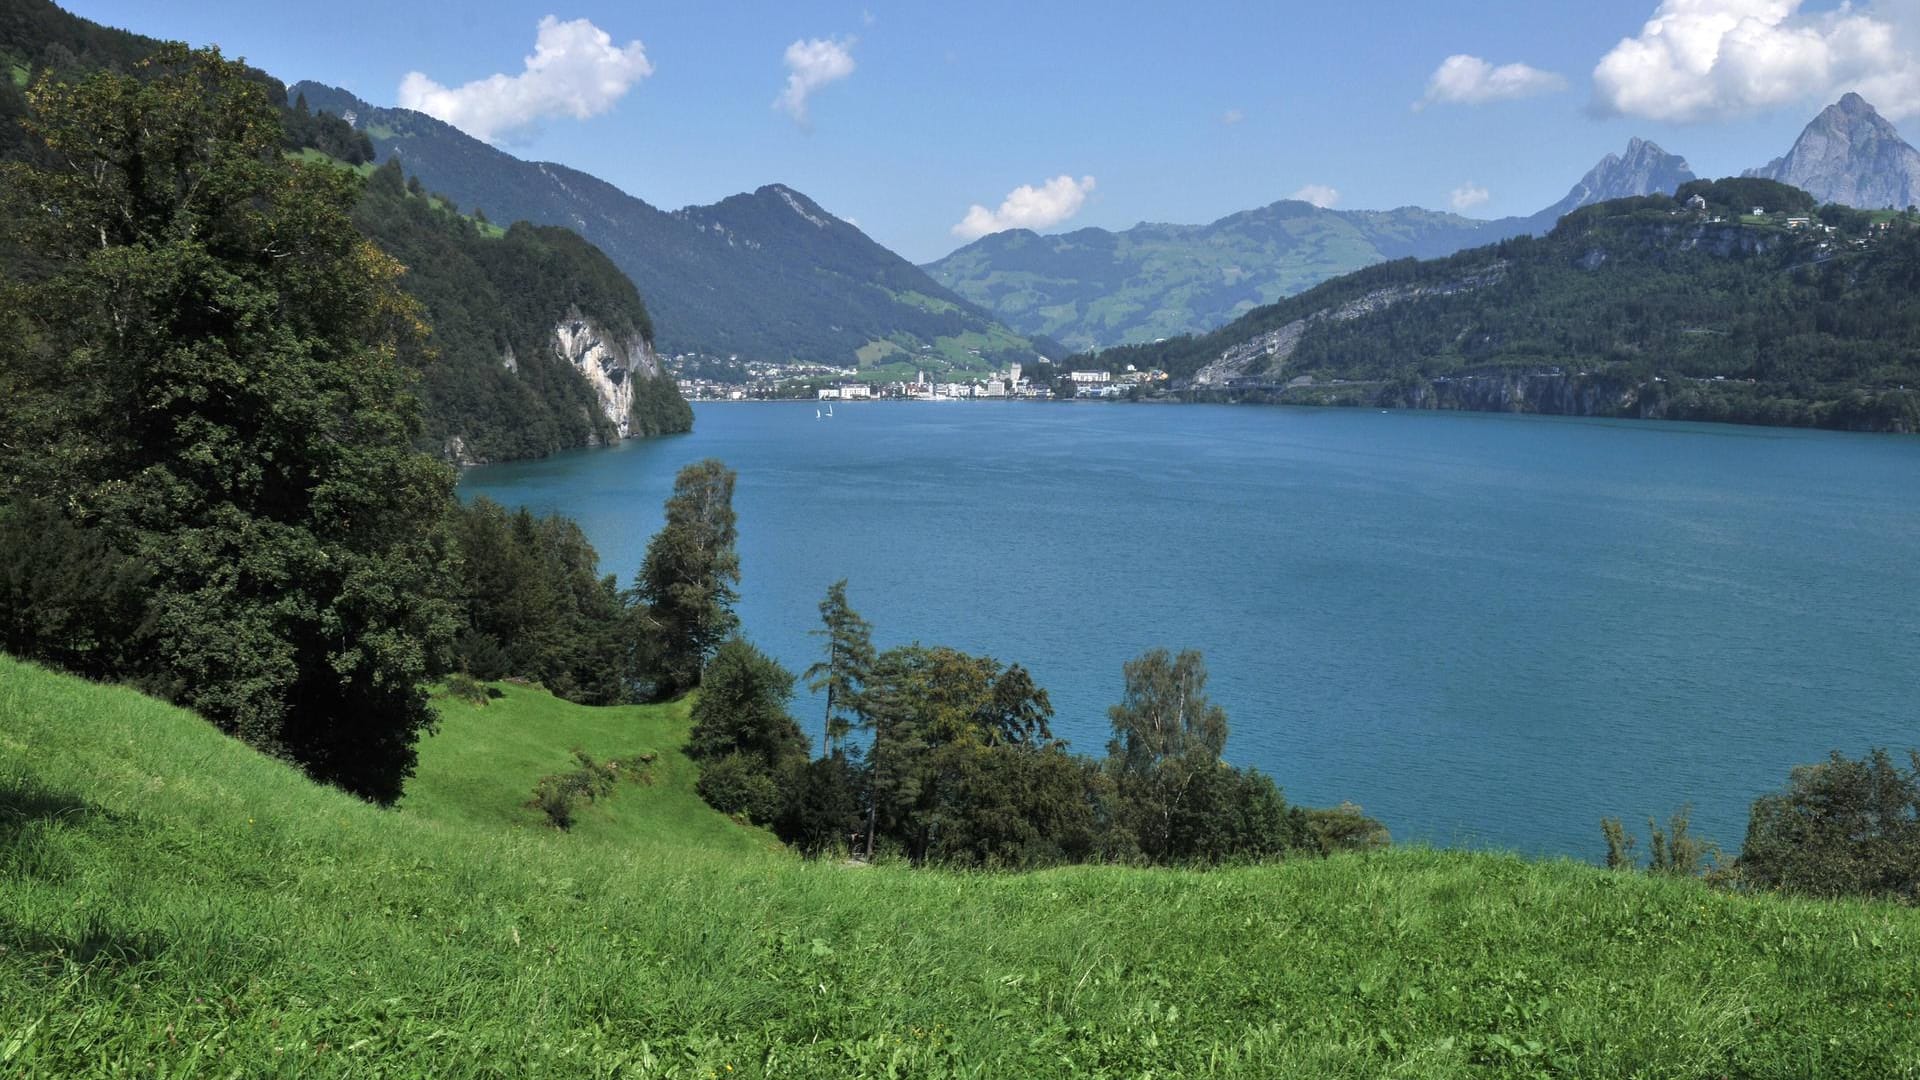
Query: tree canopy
205	374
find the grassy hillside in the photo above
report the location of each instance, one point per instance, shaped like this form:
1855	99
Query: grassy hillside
172	904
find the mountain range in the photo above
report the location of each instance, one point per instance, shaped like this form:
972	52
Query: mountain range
1092	288
1655	306
768	275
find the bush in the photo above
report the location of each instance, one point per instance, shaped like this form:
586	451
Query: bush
68	598
559	795
821	810
1346	828
1842	828
1674	850
464	687
739	786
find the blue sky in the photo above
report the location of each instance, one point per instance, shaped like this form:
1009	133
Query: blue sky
1178	112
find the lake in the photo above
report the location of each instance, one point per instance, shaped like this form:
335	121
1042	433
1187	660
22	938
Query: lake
1488	630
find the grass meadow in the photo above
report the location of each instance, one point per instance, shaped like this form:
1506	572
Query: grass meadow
173	904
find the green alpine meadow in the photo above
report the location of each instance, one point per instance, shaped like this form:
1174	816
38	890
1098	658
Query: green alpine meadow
177	904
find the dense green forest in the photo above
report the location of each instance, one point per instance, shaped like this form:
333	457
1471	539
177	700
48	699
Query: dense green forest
488	295
1637	307
211	477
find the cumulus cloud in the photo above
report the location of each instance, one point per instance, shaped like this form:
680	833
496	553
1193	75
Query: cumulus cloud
1319	195
1468	80
1232	117
1467	196
576	70
1028	207
1705	59
812	64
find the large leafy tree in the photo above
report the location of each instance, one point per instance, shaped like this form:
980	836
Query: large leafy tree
956	768
202	371
690	578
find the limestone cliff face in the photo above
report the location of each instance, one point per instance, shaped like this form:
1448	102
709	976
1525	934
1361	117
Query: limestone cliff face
608	363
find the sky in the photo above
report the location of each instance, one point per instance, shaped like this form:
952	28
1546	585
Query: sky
929	124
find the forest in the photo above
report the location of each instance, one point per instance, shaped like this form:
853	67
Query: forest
1669	310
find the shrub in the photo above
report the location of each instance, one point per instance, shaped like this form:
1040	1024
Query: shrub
464	687
1842	828
740	786
1674	850
1346	828
559	795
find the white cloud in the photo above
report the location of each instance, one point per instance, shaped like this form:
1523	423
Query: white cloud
1232	117
1028	207
1706	59
1319	195
1468	80
575	70
1467	196
812	64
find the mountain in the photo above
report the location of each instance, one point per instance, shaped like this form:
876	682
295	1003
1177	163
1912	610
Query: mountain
1645	169
1092	288
1850	155
1636	307
768	275
537	342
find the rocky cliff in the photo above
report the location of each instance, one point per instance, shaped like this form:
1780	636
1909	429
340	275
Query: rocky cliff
1850	155
611	365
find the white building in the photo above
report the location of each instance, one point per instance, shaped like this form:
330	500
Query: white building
1091	378
994	388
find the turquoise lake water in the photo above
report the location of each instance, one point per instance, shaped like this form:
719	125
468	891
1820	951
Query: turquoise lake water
1487	630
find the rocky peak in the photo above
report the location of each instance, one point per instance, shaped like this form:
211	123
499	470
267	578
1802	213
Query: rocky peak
1851	155
1645	169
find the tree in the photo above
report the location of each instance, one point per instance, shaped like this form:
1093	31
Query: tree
1167	736
206	378
743	709
845	670
1842	828
953	768
686	586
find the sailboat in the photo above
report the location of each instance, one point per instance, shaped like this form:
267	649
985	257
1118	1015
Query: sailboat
816	414
829	412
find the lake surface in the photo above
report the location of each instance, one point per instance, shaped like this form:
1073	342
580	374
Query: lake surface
1487	630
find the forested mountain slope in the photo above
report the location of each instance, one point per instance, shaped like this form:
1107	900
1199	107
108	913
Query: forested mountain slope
538	343
768	275
1637	307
